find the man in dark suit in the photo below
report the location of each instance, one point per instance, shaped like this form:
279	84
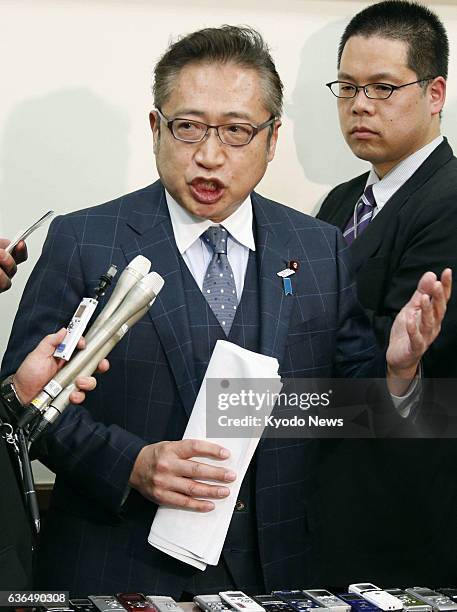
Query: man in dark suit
37	369
218	101
392	70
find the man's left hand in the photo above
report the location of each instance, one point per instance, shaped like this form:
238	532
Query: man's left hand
416	326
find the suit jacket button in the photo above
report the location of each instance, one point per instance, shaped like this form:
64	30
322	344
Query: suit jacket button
240	506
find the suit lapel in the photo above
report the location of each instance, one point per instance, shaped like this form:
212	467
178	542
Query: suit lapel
343	208
153	238
370	240
272	256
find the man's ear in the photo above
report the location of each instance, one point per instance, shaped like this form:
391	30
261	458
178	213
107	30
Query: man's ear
154	122
273	139
437	93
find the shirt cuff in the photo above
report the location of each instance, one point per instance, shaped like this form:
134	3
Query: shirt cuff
406	403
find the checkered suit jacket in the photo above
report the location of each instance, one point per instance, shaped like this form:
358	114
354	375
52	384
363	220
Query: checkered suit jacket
95	543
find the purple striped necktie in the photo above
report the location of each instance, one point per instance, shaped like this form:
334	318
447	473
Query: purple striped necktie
362	216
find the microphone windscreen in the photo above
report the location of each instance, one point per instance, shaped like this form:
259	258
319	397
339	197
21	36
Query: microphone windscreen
134	272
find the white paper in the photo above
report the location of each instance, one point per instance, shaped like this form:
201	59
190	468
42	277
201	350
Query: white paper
194	537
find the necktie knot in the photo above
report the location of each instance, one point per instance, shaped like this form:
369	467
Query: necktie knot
368	196
216	237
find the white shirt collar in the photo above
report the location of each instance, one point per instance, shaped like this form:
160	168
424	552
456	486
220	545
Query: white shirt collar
384	189
187	228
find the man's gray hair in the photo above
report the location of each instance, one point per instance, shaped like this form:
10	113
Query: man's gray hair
227	44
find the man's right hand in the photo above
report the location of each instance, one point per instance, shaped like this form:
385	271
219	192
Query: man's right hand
9	261
166	474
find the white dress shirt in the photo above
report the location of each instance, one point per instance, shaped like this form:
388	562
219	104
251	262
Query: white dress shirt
197	254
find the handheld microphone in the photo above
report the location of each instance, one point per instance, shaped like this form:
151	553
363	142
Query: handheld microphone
125	304
132	274
23	415
139	296
61	402
83	315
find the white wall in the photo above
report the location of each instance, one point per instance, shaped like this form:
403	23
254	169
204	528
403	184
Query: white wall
75	98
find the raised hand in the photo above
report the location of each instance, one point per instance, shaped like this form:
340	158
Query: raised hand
417	325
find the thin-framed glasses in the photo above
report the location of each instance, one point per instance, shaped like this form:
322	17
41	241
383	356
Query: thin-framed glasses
374	91
233	134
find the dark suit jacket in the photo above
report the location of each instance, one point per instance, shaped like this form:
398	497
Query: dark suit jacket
15	533
414	232
92	542
397	499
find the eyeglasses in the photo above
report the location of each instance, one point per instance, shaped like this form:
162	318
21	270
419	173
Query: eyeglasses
374	91
233	134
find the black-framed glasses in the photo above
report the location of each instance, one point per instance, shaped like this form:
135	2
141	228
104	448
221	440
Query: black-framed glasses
233	134
374	91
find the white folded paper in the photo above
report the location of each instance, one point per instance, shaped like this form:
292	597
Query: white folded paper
194	537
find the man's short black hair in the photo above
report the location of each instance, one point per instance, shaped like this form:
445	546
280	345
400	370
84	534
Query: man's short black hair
413	23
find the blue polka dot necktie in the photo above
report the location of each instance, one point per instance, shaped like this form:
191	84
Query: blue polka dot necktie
219	286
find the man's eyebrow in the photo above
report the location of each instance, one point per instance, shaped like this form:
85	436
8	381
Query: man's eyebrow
237	115
373	78
187	111
182	112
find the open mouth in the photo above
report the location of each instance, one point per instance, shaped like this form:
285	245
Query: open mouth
207	191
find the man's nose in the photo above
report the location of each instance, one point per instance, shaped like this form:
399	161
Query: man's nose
361	103
210	151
